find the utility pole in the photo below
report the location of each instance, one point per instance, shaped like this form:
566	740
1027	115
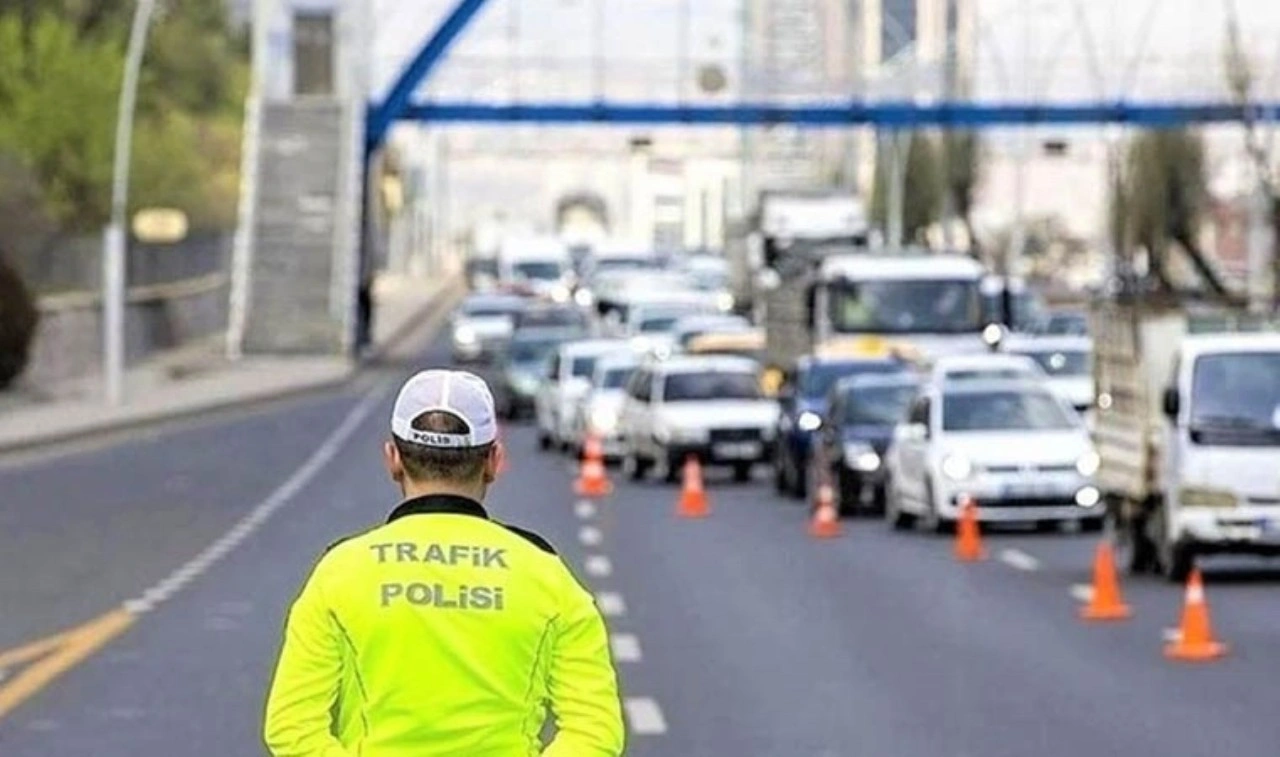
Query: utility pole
899	145
115	240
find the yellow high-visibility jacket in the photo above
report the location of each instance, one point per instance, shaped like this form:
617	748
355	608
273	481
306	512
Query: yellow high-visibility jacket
443	632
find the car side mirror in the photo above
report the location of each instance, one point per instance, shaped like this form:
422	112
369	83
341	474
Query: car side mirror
1171	402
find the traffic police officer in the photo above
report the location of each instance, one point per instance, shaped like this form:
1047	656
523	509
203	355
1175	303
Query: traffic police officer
443	632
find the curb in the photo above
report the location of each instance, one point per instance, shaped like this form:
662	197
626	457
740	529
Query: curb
424	319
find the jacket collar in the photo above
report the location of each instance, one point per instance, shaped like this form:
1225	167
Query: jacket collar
432	504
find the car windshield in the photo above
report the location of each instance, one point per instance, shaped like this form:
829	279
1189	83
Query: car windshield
524	352
1235	399
487	266
1062	362
878	405
584	366
711	385
1067	324
1028	310
658	323
906	307
551	317
616	378
820	377
541	270
490	309
709	280
607	265
1005	410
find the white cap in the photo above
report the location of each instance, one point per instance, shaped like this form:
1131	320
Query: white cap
464	395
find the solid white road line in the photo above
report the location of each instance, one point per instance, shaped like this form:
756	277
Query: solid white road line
645	716
626	647
584	509
1019	560
598	565
611	604
590	536
1082	592
324	454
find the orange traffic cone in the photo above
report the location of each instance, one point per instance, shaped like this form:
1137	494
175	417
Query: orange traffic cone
825	523
592	480
693	498
968	535
1106	602
1196	642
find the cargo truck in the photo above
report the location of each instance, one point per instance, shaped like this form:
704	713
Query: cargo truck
1187	429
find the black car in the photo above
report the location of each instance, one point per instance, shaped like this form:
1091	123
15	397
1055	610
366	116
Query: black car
522	365
862	412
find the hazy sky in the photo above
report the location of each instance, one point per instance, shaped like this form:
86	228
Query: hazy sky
1044	49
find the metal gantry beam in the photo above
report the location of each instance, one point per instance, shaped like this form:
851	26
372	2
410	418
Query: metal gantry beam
382	115
965	115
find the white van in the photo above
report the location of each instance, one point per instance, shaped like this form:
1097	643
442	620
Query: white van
541	265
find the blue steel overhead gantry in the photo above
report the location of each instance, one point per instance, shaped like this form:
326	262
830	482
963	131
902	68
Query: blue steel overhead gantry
399	105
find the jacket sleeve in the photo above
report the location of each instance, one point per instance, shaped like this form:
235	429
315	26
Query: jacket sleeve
583	684
299	719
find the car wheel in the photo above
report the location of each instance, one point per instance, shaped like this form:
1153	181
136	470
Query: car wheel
893	514
848	492
544	440
800	485
937	523
742	472
633	467
779	473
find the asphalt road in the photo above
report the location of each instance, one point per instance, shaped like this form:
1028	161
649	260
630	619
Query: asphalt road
736	635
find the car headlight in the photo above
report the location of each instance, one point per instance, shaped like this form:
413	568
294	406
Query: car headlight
604	420
1199	496
724	301
1088	496
1088	464
861	457
584	298
464	335
957	467
809	421
524	383
560	293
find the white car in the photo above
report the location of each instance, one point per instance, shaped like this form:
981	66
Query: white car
482	325
567	380
1066	360
994	365
709	407
650	327
600	411
1012	445
710	273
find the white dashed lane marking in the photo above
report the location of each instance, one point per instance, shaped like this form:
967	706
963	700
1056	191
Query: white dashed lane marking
584	509
1082	592
645	716
598	566
590	536
1019	560
626	647
259	515
611	604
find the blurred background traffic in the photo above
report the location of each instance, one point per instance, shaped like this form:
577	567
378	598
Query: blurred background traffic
921	261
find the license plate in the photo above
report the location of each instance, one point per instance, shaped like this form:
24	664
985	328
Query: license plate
737	451
1024	490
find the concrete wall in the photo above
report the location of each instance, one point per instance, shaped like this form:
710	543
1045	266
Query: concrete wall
177	295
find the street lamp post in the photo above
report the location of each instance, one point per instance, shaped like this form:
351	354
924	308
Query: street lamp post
114	242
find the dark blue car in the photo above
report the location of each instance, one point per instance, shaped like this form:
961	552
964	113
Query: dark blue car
856	432
803	403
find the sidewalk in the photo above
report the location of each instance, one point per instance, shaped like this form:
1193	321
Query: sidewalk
198	378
